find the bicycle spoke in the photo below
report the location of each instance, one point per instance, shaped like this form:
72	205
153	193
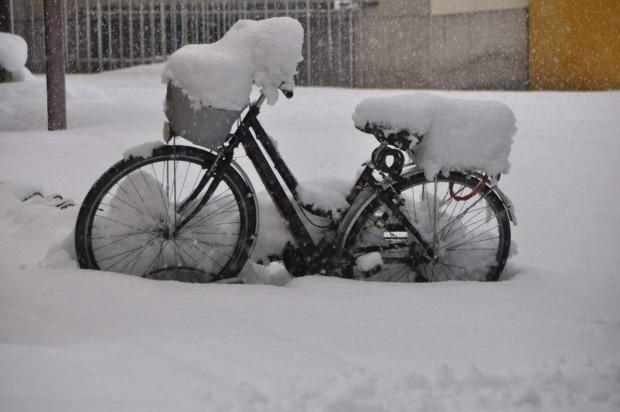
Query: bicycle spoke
464	234
131	219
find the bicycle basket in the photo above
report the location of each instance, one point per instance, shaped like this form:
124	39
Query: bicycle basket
207	126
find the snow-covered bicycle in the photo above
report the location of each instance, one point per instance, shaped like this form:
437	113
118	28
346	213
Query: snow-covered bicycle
189	213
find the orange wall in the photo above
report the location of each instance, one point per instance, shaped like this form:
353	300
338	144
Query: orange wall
574	44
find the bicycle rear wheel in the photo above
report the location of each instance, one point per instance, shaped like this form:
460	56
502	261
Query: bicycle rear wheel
127	222
462	219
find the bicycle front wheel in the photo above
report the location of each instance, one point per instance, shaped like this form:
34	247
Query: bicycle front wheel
127	222
462	219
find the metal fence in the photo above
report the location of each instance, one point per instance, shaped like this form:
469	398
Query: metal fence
111	34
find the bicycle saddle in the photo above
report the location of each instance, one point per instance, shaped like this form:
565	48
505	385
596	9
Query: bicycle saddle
385	133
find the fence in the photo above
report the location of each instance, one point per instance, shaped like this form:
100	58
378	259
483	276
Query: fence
110	34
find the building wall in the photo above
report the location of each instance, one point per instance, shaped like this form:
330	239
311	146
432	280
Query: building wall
402	44
441	44
574	44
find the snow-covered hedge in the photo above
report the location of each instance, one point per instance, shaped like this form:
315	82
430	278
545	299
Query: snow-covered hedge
221	74
457	133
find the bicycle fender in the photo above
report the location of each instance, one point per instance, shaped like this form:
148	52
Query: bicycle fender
508	205
506	202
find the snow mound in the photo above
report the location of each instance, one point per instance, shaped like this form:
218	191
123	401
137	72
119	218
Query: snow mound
457	134
328	194
221	74
13	56
13	52
23	105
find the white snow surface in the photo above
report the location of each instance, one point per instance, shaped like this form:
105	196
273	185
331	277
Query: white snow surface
326	194
369	261
545	338
221	74
457	133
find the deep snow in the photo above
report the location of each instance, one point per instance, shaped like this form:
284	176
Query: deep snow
546	338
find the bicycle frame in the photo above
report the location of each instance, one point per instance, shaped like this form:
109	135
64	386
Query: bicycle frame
250	141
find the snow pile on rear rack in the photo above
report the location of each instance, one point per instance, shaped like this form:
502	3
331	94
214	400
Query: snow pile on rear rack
221	74
457	134
13	56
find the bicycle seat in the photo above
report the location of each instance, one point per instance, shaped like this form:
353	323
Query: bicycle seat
399	137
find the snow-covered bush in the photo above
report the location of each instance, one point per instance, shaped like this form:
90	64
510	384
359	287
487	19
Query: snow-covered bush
13	56
220	74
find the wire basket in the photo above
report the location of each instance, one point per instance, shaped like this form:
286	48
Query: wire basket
208	126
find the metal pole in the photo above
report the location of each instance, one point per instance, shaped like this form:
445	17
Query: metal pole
350	48
330	44
203	21
99	37
130	23
173	25
141	22
77	35
308	42
88	44
183	24
55	66
111	63
162	25
152	54
121	34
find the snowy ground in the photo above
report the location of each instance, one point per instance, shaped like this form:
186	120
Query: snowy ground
547	338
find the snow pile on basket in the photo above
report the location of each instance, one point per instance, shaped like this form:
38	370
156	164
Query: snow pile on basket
456	134
221	74
13	56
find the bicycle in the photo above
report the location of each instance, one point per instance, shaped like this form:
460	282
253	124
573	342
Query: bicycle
190	214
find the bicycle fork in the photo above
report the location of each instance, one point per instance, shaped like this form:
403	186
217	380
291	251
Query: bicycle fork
212	179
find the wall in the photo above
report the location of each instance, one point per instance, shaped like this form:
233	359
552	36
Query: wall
574	44
397	43
402	44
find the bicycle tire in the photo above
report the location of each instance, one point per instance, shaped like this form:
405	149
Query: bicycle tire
471	235
126	222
